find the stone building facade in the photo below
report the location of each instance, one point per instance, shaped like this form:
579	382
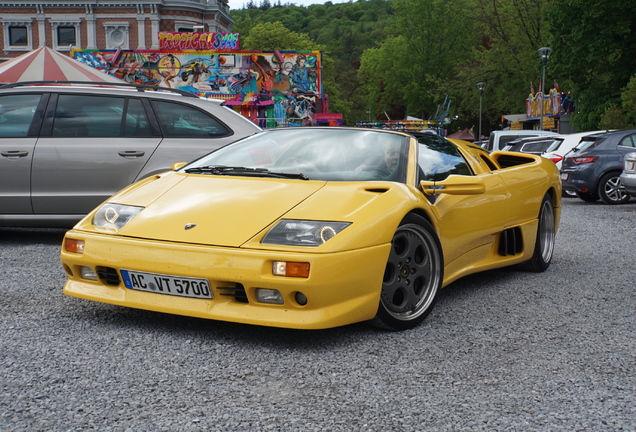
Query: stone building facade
103	24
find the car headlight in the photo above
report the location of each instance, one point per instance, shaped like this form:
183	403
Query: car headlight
113	217
303	232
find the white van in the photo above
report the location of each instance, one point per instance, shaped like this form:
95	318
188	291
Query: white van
499	139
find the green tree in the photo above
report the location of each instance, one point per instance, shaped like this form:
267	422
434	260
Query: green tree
275	36
504	57
616	117
410	73
628	97
594	53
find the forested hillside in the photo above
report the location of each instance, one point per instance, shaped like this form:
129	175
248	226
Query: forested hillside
406	57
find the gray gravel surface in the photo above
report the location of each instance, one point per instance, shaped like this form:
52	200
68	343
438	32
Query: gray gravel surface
502	351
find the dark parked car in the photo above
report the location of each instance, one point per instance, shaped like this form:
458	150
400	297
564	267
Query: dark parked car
532	145
593	171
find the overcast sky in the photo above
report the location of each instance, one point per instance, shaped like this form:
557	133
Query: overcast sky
238	4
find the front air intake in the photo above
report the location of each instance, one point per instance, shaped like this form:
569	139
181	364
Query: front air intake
108	275
237	291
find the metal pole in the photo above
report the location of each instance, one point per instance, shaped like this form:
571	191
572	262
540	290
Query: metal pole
542	97
480	86
545	55
479	136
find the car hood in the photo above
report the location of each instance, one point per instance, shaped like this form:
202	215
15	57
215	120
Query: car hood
222	211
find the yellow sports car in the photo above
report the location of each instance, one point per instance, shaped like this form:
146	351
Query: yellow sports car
313	228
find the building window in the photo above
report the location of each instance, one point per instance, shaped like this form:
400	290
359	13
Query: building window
66	35
18	36
185	27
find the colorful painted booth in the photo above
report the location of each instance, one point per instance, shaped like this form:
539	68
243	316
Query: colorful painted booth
271	88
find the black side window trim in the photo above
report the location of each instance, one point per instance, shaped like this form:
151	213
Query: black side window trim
38	116
49	115
152	118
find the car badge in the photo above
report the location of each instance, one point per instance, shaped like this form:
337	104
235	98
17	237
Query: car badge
189	226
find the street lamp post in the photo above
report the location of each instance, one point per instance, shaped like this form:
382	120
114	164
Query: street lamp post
480	87
545	55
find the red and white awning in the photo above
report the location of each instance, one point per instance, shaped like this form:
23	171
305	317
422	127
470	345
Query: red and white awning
45	64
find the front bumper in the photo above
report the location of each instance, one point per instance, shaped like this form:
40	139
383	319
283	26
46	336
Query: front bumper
342	288
629	183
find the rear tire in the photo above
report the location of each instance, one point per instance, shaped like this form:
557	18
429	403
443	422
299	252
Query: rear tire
611	190
546	234
413	275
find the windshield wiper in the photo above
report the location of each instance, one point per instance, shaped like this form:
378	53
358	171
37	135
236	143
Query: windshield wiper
244	171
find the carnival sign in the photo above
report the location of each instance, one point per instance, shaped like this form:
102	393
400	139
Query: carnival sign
198	41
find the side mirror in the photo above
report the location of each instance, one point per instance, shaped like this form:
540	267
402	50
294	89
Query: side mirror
178	165
455	185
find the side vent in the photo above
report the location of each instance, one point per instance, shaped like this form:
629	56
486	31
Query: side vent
237	291
510	242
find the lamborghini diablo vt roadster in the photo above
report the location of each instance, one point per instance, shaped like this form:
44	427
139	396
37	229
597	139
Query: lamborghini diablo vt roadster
313	228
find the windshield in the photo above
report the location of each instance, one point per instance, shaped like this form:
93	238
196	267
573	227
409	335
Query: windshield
328	154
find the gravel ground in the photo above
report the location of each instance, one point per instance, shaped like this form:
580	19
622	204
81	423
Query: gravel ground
502	351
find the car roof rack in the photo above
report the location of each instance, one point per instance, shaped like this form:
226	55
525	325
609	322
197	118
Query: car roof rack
139	87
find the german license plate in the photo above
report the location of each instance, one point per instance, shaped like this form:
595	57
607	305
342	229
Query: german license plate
166	284
564	176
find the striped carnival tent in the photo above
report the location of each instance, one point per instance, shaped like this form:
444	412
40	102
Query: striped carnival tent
45	64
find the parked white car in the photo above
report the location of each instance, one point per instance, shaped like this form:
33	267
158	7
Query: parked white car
499	139
557	151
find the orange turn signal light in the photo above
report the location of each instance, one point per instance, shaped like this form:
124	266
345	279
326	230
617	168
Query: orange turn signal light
290	269
74	245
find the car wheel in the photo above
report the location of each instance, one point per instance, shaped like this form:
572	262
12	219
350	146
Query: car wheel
413	275
611	190
546	234
587	197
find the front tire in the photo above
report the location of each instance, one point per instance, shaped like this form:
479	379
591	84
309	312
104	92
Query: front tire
546	235
611	190
413	275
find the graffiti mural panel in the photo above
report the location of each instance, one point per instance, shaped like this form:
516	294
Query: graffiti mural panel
287	83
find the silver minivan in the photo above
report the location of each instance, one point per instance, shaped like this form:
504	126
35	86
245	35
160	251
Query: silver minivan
66	148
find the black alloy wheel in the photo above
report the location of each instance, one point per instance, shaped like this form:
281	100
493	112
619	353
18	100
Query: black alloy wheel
611	190
546	235
413	275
